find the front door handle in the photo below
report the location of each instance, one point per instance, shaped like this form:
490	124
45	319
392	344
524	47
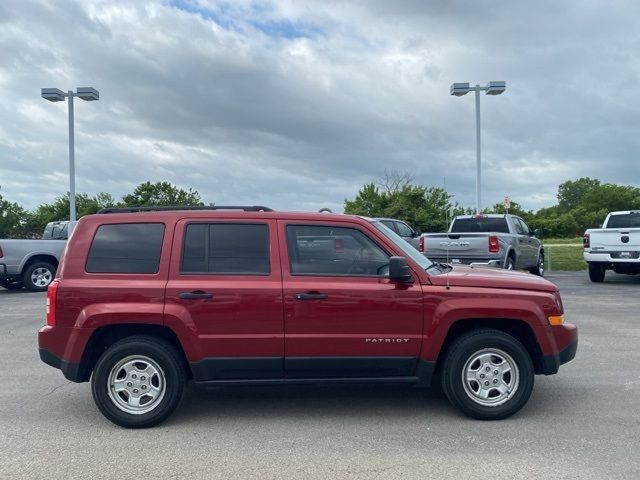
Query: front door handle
198	294
310	296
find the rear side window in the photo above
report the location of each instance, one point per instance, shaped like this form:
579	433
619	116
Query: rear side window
480	225
219	248
126	248
403	229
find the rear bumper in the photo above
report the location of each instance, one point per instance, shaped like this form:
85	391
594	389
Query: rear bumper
476	262
70	370
566	337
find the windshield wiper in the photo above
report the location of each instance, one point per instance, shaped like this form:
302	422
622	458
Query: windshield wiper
443	267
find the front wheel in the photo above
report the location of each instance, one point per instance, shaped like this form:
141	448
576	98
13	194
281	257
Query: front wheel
487	374
509	264
138	382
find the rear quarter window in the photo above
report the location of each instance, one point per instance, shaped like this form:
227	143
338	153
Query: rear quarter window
126	248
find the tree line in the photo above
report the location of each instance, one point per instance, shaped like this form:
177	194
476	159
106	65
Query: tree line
582	204
18	222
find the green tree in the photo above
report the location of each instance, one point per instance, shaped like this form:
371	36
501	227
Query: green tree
12	219
572	192
424	208
59	210
160	194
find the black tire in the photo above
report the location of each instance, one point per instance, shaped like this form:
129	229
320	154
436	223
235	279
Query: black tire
170	365
37	285
596	272
510	263
463	350
539	268
11	284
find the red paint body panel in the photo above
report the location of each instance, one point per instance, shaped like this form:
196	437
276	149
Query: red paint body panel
257	316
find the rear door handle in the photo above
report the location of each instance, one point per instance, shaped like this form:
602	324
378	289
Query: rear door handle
198	294
310	296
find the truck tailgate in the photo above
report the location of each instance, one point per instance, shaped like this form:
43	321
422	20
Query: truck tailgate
466	245
615	239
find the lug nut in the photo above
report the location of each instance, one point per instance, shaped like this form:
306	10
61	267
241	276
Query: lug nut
495	380
142	378
129	384
487	369
485	383
495	372
482	375
144	387
134	376
135	390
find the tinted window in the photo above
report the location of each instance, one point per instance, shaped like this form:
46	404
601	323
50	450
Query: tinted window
518	226
126	248
480	225
627	220
525	228
389	224
320	250
403	230
238	248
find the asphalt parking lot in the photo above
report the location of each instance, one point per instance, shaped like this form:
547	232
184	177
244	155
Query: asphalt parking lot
582	423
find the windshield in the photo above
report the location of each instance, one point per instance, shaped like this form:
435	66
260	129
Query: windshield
403	245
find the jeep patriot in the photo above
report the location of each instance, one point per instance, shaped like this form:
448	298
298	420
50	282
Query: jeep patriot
147	299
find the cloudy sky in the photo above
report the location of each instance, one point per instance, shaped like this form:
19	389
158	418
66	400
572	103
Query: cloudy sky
296	104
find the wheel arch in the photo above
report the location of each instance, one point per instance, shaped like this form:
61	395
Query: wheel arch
102	338
519	329
39	257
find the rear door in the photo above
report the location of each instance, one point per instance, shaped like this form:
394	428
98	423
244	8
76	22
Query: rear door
225	292
344	318
528	246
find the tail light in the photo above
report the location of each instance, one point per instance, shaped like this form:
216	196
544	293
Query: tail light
52	293
586	241
421	244
494	246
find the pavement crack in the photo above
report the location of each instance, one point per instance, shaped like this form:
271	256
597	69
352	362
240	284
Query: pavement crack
54	389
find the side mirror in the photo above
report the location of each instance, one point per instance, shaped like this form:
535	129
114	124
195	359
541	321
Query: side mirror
399	270
538	233
416	233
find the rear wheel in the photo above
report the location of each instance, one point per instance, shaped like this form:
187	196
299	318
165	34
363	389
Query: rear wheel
37	276
487	374
596	272
510	263
539	268
138	382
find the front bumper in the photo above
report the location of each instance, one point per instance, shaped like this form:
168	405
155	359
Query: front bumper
566	339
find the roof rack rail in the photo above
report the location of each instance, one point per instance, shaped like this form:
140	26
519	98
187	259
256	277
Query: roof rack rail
246	208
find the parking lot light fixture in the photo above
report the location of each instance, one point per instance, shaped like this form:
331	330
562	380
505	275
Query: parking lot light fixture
492	88
56	95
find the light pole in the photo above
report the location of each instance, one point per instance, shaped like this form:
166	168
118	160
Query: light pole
57	95
492	88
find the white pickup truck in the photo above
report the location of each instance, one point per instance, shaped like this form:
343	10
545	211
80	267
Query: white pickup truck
615	246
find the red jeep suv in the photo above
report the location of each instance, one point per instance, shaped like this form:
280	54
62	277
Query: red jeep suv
146	299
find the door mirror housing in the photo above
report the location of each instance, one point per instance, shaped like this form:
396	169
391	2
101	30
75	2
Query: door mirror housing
538	233
399	270
416	233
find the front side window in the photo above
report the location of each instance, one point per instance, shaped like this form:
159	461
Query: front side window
328	250
231	248
126	248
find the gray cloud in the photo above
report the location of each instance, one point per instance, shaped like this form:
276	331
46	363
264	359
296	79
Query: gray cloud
296	104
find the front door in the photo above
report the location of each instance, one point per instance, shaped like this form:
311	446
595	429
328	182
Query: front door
225	293
344	318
